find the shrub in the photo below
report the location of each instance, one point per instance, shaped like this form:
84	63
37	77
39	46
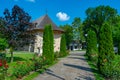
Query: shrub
48	42
3	44
112	71
63	51
3	66
56	55
92	51
119	45
22	68
38	62
106	53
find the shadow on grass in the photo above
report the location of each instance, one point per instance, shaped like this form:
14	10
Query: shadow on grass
82	68
15	59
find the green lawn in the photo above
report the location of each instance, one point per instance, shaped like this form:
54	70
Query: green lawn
20	56
23	56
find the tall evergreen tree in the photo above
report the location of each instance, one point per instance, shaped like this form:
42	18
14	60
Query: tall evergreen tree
48	42
92	46
106	53
51	41
63	46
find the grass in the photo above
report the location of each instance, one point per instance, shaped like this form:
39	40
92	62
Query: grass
20	56
35	74
93	66
24	56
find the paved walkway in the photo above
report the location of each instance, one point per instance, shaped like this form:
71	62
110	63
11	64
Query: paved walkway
73	67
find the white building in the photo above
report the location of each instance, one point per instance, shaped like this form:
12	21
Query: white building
38	29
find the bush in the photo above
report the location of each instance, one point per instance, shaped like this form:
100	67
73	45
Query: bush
112	71
38	62
3	44
56	55
106	52
92	51
22	68
63	51
3	66
48	42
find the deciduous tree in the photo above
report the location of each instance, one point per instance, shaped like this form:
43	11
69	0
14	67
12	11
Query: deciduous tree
17	23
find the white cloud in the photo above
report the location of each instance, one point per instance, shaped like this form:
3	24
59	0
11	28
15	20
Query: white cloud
62	16
31	0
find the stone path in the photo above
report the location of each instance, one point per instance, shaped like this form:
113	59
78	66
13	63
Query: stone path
73	67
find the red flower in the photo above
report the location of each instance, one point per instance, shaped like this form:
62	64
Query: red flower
0	64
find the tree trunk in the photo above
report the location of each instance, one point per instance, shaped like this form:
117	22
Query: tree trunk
11	52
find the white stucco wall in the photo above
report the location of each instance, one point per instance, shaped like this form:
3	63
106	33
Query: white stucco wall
57	39
39	43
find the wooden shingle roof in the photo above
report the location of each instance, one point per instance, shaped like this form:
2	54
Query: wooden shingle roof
41	22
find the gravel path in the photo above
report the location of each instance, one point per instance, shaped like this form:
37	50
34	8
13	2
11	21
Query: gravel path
73	67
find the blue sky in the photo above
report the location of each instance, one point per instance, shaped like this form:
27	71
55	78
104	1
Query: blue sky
60	11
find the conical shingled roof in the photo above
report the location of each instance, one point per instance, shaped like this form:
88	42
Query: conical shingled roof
45	20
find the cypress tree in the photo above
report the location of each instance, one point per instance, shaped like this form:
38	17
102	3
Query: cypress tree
92	46
51	43
119	45
106	52
63	46
48	48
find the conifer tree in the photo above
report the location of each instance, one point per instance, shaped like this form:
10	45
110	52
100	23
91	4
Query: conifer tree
48	49
92	46
51	43
63	46
119	44
106	52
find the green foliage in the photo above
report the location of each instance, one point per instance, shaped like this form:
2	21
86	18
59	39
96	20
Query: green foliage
3	66
106	53
51	42
3	44
63	46
68	31
94	68
97	16
22	68
76	25
48	42
119	47
92	51
82	37
116	32
112	71
15	29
